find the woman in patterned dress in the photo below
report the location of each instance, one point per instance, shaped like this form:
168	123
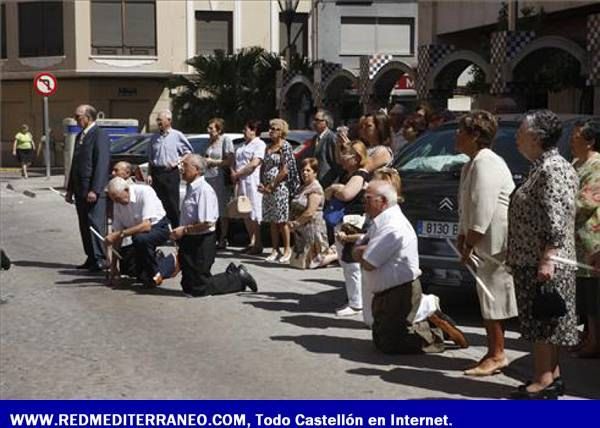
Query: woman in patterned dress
279	181
219	157
542	225
585	145
310	233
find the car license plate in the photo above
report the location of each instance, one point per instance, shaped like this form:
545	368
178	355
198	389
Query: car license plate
437	229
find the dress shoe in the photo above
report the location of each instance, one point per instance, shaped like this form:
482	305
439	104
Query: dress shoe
246	279
88	264
558	385
348	311
488	370
231	269
448	326
273	257
285	260
548	393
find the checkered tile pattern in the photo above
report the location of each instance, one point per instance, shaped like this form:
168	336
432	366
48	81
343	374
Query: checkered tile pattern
428	56
505	45
328	69
363	79
288	76
593	48
376	63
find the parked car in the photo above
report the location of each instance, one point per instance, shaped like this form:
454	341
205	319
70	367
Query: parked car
300	139
430	170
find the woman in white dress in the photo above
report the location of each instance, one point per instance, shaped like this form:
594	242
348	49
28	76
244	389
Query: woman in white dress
219	157
246	177
484	194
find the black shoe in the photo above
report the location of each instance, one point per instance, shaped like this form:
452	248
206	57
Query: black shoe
558	385
548	393
97	267
88	264
4	260
232	269
246	278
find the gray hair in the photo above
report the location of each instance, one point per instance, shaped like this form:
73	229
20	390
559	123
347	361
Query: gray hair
386	190
546	125
128	167
166	114
327	116
89	111
117	185
198	161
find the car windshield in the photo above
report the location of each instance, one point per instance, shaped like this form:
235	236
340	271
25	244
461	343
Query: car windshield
435	152
199	144
124	144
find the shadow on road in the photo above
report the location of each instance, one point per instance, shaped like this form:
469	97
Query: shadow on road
323	302
46	265
314	321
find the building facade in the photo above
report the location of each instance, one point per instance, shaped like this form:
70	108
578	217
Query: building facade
118	55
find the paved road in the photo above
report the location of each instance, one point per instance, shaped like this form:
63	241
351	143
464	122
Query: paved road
67	335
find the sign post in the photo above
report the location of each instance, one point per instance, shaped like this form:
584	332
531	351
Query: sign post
46	84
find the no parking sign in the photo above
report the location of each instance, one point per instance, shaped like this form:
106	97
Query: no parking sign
45	84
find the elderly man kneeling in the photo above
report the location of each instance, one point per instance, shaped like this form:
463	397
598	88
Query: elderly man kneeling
139	214
390	262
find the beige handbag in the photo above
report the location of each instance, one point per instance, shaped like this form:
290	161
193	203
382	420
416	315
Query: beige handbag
239	207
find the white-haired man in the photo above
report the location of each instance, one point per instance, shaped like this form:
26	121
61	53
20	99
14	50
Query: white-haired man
196	236
390	263
167	147
139	214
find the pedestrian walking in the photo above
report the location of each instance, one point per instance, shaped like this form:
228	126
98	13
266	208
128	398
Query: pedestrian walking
23	149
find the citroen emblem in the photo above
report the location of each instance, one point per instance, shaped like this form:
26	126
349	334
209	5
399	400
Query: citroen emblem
446	204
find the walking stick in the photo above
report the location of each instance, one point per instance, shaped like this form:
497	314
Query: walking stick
100	237
478	280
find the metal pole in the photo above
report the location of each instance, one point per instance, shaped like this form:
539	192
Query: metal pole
47	134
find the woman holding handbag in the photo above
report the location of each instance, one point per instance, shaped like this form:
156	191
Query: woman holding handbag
349	191
219	157
279	181
246	177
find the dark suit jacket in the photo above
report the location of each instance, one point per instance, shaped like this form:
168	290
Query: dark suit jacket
91	163
329	170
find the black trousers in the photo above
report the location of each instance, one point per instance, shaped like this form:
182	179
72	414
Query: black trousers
93	215
196	257
166	185
392	332
144	249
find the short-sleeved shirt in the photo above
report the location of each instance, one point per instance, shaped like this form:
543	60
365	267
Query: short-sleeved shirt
200	205
392	250
166	149
356	205
143	205
24	140
251	150
215	151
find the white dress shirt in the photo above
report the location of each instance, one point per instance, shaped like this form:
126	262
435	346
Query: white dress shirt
200	205
392	250
143	205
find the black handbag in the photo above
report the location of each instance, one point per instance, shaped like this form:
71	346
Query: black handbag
548	304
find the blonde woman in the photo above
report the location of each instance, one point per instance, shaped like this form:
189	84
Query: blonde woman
24	148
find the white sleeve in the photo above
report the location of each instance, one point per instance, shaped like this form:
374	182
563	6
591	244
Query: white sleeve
382	246
259	151
207	207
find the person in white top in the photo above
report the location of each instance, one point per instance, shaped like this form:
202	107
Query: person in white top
484	194
196	236
246	177
390	262
139	214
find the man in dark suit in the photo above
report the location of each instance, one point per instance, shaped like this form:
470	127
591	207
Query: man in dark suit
87	181
324	148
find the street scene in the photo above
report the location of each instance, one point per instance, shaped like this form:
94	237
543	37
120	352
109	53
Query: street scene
300	199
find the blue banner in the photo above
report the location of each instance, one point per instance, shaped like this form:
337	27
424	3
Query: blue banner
259	414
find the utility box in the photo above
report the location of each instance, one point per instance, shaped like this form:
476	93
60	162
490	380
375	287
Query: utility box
116	128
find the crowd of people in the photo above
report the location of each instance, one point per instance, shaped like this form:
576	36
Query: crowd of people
340	203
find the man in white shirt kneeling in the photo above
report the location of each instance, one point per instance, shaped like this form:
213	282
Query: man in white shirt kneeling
196	236
390	262
139	214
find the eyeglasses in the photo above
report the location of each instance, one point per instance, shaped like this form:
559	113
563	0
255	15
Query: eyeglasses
272	128
316	119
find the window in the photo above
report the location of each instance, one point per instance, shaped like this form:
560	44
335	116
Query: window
354	2
40	29
299	34
214	31
124	27
369	35
3	30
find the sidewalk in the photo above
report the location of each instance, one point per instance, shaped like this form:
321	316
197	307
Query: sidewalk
10	178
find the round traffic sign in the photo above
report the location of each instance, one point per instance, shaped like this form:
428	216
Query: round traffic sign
45	84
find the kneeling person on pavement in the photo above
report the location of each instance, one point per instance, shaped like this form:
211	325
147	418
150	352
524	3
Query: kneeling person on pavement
196	236
390	263
139	214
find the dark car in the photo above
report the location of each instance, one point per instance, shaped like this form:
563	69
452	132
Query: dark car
430	170
122	147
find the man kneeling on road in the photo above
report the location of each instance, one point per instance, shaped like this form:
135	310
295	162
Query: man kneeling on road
139	214
196	236
390	263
